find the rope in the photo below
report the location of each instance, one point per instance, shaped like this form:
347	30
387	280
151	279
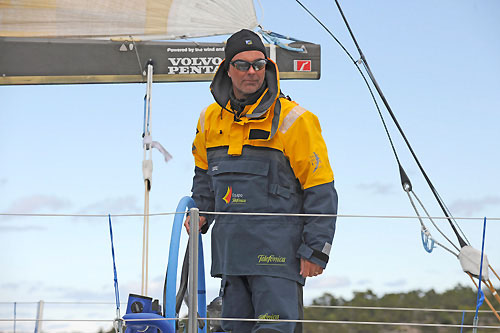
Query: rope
498	277
497	314
462	324
272	37
117	293
118	323
480	294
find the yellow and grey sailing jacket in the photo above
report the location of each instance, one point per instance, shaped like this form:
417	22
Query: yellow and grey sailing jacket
271	159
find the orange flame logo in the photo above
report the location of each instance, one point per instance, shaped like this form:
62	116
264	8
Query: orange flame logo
229	193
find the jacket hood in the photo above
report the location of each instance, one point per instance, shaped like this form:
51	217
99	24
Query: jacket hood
221	87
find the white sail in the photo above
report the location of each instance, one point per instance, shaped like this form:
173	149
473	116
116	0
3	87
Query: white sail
141	19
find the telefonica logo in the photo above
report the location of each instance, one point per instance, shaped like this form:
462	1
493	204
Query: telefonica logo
269	316
271	260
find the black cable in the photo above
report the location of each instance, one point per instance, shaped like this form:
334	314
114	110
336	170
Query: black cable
386	103
362	75
404	178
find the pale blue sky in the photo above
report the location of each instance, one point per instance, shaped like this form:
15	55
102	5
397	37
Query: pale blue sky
78	149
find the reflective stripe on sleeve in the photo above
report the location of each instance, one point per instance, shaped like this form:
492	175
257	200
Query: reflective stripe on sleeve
202	120
290	118
327	248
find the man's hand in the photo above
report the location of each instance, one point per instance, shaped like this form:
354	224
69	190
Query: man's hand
309	269
203	220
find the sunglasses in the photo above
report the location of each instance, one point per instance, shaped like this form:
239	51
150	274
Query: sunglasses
244	66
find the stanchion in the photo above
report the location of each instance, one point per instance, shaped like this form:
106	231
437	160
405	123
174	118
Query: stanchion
194	214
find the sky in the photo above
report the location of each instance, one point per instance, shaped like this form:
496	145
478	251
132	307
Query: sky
77	149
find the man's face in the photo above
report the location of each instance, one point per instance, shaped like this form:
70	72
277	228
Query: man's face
246	83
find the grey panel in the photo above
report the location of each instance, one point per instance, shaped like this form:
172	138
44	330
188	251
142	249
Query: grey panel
54	61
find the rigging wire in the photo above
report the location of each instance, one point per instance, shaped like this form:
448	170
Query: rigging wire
404	178
307	321
445	209
118	322
347	307
387	308
15	315
431	219
241	213
356	64
426	236
143	73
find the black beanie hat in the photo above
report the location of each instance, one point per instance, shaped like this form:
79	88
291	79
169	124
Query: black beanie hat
243	40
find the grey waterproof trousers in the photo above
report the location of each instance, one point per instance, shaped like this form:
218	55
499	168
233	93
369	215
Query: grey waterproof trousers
261	297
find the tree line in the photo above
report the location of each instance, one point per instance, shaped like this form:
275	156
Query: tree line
459	298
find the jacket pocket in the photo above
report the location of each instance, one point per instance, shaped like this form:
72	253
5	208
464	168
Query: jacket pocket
240	185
